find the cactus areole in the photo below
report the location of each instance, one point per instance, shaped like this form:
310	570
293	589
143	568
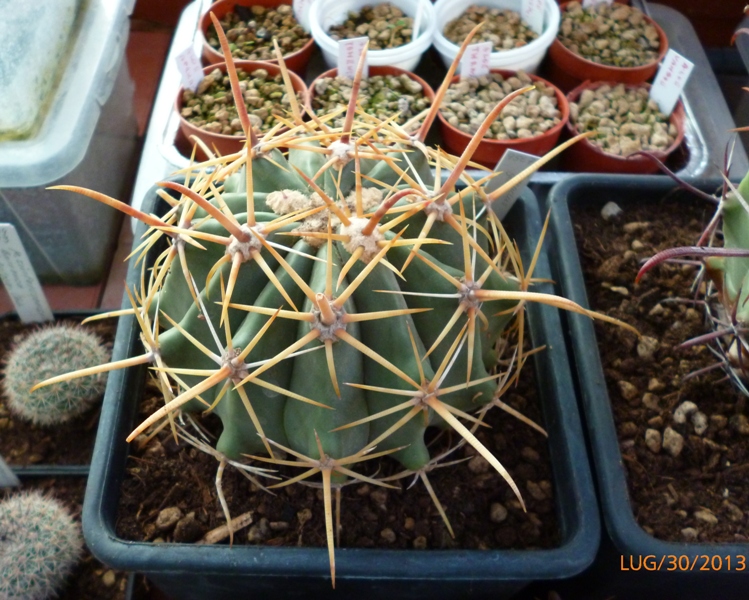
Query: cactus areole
330	296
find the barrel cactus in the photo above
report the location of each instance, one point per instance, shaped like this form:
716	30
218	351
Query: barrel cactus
43	354
40	543
330	295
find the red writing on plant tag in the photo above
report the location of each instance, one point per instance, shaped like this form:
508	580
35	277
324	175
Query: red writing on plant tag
670	81
190	68
532	12
475	61
349	52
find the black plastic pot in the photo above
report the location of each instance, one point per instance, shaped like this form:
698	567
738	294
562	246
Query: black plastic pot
623	537
220	572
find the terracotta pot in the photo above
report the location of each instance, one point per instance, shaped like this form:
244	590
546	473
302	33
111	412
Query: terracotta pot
489	151
228	144
385	70
568	70
585	156
296	61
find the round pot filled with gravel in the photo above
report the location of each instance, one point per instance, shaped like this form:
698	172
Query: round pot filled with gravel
397	38
250	27
605	42
531	123
515	45
627	121
210	115
383	93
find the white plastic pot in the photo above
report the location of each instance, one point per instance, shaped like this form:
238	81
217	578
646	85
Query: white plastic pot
324	14
526	58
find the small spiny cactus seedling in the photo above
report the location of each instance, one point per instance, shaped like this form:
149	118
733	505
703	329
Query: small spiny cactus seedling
43	354
40	543
331	301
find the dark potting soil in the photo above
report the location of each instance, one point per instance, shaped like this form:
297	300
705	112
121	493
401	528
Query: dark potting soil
166	479
90	580
23	443
702	491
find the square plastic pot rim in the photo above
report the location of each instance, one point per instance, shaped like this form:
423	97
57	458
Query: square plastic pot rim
626	534
577	509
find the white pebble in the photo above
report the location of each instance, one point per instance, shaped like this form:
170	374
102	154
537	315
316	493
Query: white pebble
673	442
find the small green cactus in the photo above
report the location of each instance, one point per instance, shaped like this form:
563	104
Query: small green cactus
40	543
727	271
46	353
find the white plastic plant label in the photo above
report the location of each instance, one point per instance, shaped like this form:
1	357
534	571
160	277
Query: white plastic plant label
190	68
349	52
532	12
511	163
589	3
670	81
475	61
301	12
8	478
19	278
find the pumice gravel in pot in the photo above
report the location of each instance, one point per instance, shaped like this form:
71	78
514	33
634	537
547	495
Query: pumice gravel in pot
386	25
605	43
502	27
384	92
626	121
251	26
531	123
210	114
616	34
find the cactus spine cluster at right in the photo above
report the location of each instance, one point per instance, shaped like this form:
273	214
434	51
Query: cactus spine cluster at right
40	543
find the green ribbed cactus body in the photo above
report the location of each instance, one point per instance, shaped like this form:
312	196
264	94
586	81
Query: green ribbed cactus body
285	419
735	270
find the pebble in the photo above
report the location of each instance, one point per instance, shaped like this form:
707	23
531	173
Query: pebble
650	401
420	543
656	310
188	529
388	535
627	390
740	423
646	347
278	525
635	226
259	532
673	442
168	518
109	578
497	512
718	422
380	498
689	534
706	516
304	515
683	411
656	422
637	245
478	464
655	384
699	420
535	490
628	429
735	514
610	210
530	454
653	440
409	523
